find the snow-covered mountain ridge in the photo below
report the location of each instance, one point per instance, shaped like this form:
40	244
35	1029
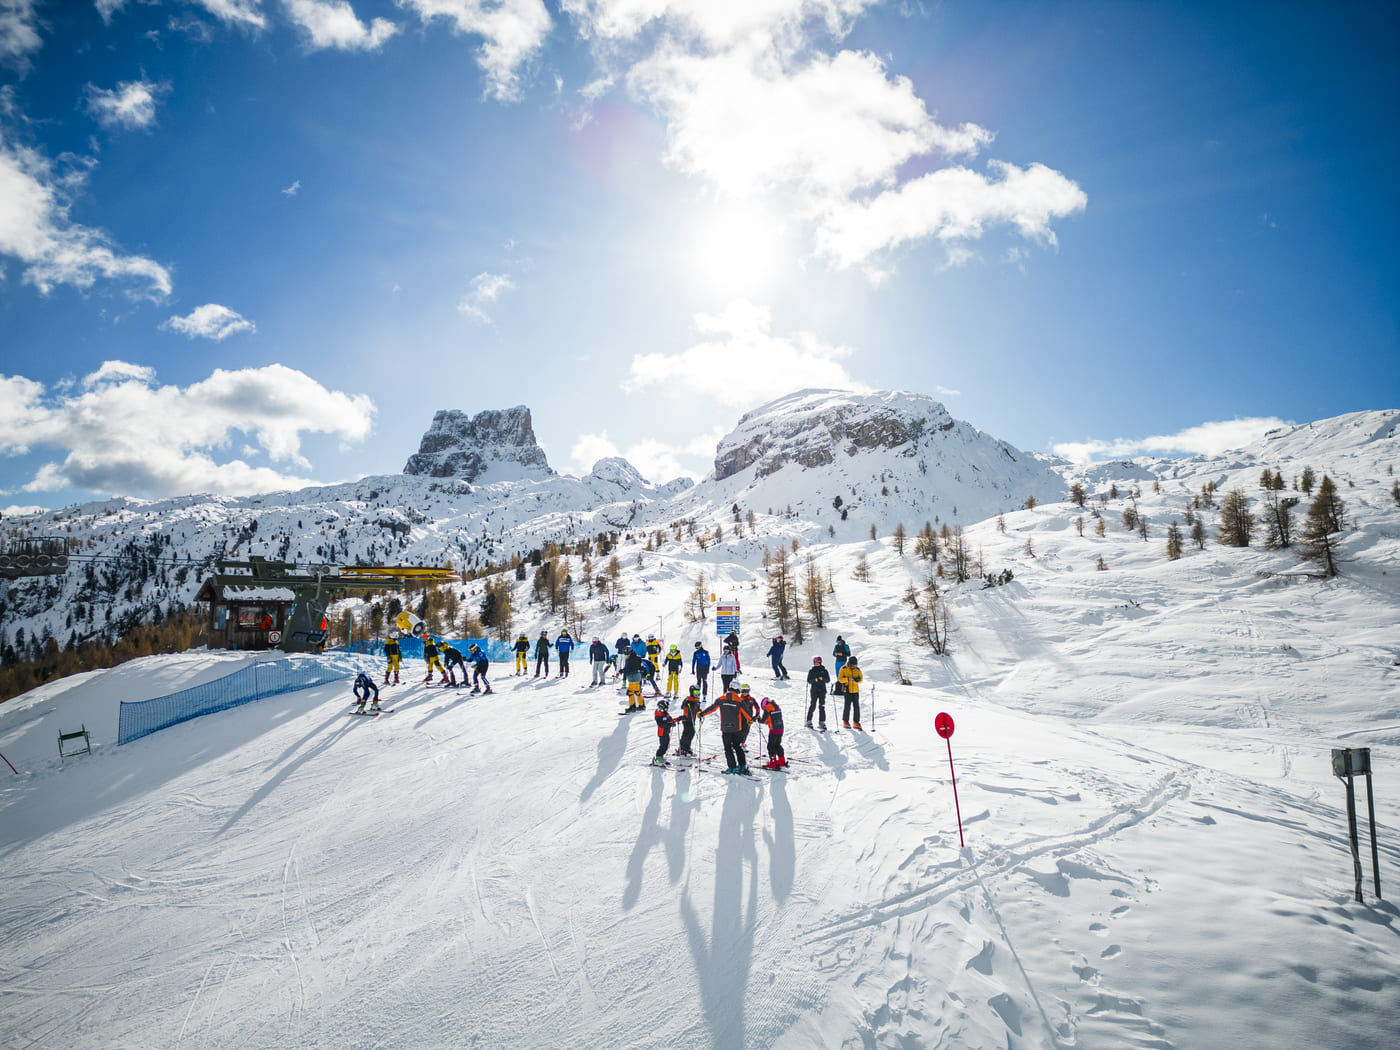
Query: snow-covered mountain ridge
817	467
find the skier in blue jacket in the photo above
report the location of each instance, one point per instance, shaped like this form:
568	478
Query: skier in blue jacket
564	645
775	654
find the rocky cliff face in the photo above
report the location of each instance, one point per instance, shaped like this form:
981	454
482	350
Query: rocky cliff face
812	428
462	446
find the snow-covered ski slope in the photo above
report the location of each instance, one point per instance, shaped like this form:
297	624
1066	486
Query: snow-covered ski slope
1155	850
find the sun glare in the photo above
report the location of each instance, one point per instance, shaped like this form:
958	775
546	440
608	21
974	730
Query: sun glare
738	250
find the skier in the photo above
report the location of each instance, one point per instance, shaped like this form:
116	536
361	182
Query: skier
840	652
430	657
654	651
649	671
731	641
674	662
817	678
751	707
772	717
452	657
542	654
632	671
364	690
564	645
775	654
623	646
850	678
481	666
391	651
522	654
728	667
690	708
598	660
733	720
664	722
700	665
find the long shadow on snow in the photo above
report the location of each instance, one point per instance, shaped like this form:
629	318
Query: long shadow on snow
652	834
610	751
722	966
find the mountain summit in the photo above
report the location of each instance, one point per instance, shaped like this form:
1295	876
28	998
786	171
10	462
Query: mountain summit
460	446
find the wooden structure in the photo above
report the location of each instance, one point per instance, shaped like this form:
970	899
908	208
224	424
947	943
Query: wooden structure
294	596
69	746
246	616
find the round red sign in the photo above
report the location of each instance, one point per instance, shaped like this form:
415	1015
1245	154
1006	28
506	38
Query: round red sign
944	724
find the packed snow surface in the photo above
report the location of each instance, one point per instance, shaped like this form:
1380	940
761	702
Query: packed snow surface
1155	850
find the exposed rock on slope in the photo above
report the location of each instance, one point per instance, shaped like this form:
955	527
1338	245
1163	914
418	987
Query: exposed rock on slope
462	446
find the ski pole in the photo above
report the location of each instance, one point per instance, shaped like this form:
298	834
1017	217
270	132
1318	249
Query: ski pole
11	765
872	706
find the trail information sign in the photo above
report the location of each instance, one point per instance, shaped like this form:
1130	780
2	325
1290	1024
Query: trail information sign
726	619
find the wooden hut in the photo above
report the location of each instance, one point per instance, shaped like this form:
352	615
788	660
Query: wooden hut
246	617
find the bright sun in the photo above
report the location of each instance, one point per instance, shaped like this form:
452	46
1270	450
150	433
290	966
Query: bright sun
738	249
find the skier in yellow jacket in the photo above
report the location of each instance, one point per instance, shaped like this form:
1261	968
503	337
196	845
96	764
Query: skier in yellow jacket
850	679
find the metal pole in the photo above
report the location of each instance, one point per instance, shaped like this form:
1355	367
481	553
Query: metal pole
1351	832
956	808
1375	858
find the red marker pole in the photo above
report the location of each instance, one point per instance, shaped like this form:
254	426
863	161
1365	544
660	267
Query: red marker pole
944	726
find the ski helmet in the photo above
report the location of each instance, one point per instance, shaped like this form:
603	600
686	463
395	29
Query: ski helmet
853	662
744	687
816	659
663	705
699	645
694	690
767	704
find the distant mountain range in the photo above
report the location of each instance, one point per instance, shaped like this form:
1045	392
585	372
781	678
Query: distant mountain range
819	466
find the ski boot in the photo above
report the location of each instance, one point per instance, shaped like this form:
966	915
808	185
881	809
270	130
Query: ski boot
657	760
858	725
775	764
846	724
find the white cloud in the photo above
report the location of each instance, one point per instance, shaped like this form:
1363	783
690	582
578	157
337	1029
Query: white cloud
657	461
953	205
132	105
246	13
35	228
1207	439
107	8
210	321
755	105
713	23
19	33
291	191
124	434
486	288
514	30
333	24
746	122
944	391
742	363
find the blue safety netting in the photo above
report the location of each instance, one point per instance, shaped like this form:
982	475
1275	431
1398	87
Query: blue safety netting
139	718
412	648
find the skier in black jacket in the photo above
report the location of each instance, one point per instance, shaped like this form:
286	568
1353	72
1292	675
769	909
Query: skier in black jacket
817	679
733	721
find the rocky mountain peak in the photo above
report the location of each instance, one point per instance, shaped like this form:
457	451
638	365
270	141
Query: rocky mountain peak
460	446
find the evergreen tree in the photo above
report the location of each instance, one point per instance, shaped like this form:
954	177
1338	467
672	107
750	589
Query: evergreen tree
1174	545
814	593
1236	522
898	538
1077	495
1322	527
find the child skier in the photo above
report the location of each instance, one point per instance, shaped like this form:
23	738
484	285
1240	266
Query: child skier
772	717
391	651
700	667
430	656
664	722
632	670
674	662
364	690
481	665
451	658
522	654
690	709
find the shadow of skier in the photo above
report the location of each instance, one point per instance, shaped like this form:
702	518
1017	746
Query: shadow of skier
722	965
610	751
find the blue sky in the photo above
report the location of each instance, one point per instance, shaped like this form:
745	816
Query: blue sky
252	244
